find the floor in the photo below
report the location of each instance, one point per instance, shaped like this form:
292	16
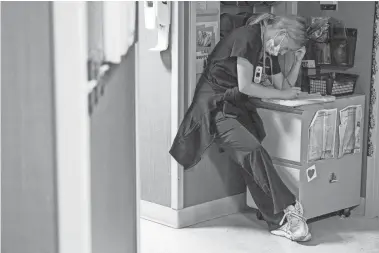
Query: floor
243	233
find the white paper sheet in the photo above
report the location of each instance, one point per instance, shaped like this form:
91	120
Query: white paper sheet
205	32
304	99
349	130
322	135
214	25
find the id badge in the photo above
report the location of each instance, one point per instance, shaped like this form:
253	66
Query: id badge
258	74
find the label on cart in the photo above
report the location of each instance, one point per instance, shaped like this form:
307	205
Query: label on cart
310	64
311	173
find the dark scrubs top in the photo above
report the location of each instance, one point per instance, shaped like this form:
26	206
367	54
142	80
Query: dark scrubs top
217	90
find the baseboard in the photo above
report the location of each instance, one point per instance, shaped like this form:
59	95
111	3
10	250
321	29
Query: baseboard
158	213
192	215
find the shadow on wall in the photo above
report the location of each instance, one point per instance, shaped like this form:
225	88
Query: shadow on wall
166	55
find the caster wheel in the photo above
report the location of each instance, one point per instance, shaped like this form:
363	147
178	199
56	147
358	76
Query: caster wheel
345	212
259	215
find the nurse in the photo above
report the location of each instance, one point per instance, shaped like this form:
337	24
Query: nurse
222	113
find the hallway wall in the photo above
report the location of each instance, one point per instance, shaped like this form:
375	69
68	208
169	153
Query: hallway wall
113	162
153	116
28	205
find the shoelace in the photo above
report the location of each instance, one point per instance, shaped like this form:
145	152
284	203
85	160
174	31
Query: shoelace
299	208
288	225
292	213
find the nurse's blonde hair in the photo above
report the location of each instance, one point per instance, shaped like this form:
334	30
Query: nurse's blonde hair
296	26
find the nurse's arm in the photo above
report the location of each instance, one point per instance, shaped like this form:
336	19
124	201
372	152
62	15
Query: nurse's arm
245	86
280	82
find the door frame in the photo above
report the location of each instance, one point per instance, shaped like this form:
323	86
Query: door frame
372	186
177	97
72	126
0	136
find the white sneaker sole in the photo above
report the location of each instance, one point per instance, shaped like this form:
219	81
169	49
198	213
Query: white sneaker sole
306	238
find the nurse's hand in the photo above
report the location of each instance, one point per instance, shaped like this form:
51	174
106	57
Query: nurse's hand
290	93
299	54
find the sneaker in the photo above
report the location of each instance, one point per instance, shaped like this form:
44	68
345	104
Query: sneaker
296	228
299	208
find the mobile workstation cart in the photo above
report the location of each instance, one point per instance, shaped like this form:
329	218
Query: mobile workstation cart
322	186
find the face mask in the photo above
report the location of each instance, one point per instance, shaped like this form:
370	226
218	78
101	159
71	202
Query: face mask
271	48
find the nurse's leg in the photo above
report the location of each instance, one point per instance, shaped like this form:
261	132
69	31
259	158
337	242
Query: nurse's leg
264	202
267	189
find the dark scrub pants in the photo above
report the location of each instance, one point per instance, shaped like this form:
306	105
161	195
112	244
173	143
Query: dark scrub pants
268	191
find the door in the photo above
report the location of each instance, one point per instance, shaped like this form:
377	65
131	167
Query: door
372	186
27	129
96	154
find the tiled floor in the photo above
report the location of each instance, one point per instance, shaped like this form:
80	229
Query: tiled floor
243	233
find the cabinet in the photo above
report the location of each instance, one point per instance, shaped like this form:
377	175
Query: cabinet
337	185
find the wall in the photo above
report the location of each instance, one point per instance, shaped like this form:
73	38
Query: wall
360	15
153	117
28	148
214	177
113	162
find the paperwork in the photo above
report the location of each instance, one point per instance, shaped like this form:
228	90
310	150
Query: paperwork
303	99
206	39
322	135
349	130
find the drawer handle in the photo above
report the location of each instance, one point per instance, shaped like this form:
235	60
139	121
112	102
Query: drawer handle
333	178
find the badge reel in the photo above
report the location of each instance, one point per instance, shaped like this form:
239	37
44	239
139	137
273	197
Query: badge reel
258	74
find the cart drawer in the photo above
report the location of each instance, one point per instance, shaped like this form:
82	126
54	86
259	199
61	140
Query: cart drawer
283	134
337	186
